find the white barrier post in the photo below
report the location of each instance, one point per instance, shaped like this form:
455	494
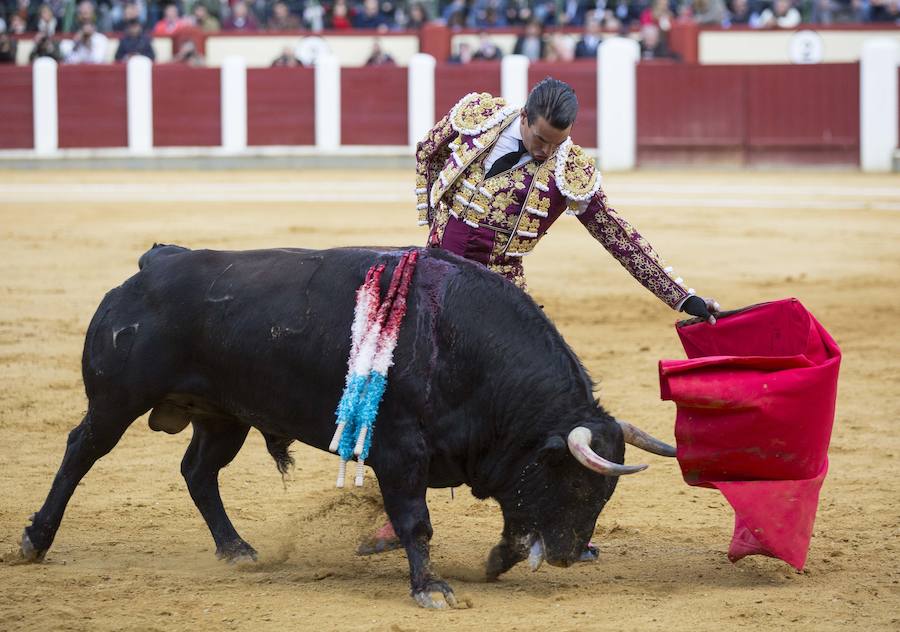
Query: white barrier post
328	102
420	96
46	113
878	104
140	104
617	59
514	79
234	103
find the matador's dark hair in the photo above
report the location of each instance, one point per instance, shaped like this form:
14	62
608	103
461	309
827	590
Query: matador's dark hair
555	101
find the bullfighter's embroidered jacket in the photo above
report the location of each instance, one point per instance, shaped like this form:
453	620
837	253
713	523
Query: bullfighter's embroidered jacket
497	221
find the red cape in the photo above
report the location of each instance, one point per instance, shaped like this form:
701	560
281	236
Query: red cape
755	406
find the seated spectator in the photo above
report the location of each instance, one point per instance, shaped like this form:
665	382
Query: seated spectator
130	11
17	24
203	20
610	22
8	48
782	15
545	11
822	11
282	19
89	46
186	53
370	17
487	14
314	16
134	42
518	12
711	12
587	46
653	46
340	16
171	21
455	12
379	56
531	43
45	46
241	19
85	13
884	11
487	50
561	48
574	12
740	12
463	54
286	59
45	21
418	16
659	14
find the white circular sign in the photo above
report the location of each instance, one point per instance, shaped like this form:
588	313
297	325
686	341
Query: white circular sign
806	47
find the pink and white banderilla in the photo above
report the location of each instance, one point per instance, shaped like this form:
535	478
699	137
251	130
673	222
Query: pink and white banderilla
374	332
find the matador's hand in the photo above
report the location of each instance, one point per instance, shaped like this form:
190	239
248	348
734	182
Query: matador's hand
705	308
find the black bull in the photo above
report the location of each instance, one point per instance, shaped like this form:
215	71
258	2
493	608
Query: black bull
483	392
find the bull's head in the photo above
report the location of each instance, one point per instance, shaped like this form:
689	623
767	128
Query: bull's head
560	493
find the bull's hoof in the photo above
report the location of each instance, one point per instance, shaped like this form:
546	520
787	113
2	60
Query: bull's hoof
29	552
424	597
237	552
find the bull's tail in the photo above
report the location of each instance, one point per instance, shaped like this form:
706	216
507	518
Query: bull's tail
157	251
278	448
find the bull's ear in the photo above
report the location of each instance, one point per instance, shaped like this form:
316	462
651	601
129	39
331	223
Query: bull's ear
554	450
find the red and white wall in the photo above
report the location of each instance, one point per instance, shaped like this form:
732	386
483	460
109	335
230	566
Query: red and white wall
634	113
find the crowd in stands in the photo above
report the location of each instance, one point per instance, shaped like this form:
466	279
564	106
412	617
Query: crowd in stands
85	22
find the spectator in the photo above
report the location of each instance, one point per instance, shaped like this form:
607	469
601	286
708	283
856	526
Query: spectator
487	50
587	46
487	14
17	24
518	12
84	13
463	55
545	11
282	19
379	57
314	16
89	46
340	16
455	12
130	11
884	11
134	42
45	46
561	48
241	18
653	46
45	21
370	17
659	14
740	12
418	17
782	15
574	12
531	43
286	59
171	21
203	20
8	48
710	12
186	53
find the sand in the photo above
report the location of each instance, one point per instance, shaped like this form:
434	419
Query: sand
134	554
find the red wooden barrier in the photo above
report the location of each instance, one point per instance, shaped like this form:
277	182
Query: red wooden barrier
93	106
374	105
748	114
281	106
582	76
803	113
16	112
454	81
186	106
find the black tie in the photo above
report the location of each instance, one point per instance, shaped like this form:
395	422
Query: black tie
507	161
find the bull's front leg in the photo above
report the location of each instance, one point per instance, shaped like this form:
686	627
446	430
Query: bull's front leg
511	550
402	475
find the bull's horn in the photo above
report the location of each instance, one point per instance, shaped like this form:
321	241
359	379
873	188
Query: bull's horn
640	439
579	441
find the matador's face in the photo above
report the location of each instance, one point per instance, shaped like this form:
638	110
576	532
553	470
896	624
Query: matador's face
540	138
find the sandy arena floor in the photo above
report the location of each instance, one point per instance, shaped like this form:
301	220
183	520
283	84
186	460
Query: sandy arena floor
134	554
